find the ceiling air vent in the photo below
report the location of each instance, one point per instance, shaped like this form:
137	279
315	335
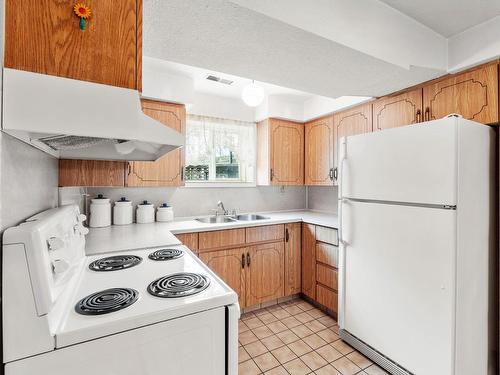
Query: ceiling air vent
219	79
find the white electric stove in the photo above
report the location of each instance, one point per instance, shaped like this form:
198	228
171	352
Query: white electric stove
146	311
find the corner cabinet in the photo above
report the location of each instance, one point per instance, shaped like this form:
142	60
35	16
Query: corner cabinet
319	149
168	170
309	260
108	51
473	94
280	152
357	120
399	110
293	258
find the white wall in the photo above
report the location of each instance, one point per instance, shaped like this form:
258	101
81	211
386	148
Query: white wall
322	198
221	107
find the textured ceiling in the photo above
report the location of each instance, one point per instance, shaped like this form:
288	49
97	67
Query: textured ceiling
448	17
222	36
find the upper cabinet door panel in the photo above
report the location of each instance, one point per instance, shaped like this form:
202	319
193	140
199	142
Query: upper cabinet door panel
287	152
44	36
319	151
168	170
474	95
394	111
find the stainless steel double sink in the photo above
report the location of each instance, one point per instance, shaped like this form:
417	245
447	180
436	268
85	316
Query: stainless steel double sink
230	219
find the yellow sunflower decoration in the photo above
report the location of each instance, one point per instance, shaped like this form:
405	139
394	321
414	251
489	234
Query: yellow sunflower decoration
84	12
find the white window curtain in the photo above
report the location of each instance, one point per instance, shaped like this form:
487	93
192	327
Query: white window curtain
227	148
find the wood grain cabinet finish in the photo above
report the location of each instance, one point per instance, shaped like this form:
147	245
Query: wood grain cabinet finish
327	297
230	266
190	240
327	254
473	94
319	149
265	233
265	273
44	36
394	111
91	173
327	235
309	260
167	171
280	152
293	258
357	120
327	276
220	239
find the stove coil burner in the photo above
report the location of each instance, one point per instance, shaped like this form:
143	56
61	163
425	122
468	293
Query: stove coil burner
166	254
115	263
107	301
178	285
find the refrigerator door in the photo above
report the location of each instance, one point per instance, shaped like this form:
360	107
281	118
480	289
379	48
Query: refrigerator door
397	283
415	164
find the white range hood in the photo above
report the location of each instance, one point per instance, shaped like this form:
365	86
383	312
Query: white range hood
73	119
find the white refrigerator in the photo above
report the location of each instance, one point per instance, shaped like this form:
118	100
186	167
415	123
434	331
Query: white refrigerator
416	212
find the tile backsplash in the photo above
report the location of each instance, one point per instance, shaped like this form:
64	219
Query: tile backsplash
200	201
322	198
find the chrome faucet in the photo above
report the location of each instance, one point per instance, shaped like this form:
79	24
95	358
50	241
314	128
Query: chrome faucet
221	206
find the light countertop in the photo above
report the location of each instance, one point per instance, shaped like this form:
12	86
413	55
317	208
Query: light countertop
136	236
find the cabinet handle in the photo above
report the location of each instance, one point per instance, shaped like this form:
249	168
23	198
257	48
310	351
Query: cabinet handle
287	236
243	260
330	173
182	173
272	174
427	114
129	169
335	173
418	117
248	259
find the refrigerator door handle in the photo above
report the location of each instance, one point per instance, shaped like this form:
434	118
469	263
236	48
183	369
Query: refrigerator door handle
343	157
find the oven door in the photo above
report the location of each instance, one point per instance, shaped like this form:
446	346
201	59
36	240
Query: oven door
189	345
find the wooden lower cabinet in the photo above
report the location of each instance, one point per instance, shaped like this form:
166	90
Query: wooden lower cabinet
309	260
293	261
190	240
327	297
230	266
265	273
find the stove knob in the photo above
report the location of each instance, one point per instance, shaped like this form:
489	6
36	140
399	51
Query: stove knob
59	266
84	230
82	218
55	243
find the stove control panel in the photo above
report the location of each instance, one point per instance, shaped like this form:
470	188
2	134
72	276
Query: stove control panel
59	265
55	243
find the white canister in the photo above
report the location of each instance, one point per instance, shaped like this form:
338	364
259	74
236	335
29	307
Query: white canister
164	212
122	212
100	212
145	213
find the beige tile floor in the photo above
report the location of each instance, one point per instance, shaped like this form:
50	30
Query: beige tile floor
296	338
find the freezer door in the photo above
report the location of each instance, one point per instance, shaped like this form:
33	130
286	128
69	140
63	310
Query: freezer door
409	164
397	283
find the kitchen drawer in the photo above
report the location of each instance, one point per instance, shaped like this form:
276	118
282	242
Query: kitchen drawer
189	239
327	297
328	235
327	276
265	233
327	254
221	239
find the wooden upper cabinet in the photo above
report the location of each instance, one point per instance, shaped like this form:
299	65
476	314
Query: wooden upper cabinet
293	261
280	152
229	265
44	36
167	171
319	151
473	94
357	120
309	260
265	273
91	173
394	111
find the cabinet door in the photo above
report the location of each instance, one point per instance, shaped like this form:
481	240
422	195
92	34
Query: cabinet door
319	151
357	120
286	152
91	173
107	51
265	272
230	266
167	171
309	260
293	261
474	95
394	111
